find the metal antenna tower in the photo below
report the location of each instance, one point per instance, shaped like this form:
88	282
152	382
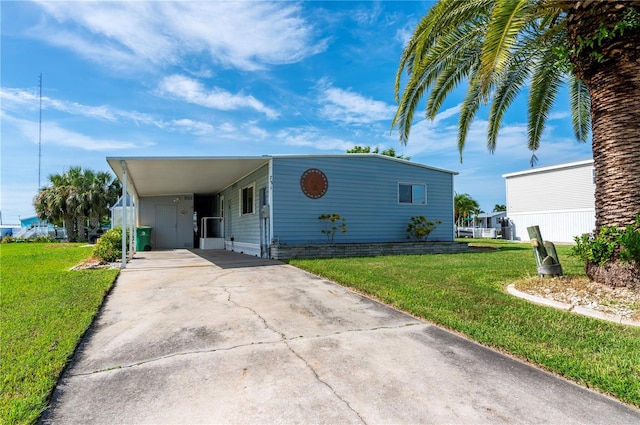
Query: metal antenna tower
40	136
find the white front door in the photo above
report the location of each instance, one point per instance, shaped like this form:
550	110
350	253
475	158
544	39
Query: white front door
166	231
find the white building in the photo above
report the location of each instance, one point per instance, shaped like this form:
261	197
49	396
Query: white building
559	198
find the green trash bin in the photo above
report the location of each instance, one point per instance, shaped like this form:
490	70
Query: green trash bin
143	238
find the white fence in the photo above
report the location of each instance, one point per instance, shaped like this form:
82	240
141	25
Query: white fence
477	232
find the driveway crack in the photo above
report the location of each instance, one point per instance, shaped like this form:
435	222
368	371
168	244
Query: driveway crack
285	341
168	356
325	383
264	321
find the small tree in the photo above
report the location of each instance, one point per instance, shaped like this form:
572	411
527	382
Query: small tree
419	227
331	223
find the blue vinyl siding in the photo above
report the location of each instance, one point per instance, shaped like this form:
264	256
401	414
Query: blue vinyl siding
244	228
363	190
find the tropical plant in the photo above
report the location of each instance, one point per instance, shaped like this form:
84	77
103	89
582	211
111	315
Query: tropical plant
499	208
501	46
419	228
387	152
108	248
76	198
331	223
464	207
596	250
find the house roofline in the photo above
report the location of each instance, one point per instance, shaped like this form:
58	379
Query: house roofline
268	156
550	168
364	155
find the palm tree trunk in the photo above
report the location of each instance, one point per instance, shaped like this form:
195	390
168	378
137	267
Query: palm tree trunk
70	228
614	86
81	228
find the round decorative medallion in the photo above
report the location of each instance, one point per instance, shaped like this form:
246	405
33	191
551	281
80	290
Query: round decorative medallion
314	183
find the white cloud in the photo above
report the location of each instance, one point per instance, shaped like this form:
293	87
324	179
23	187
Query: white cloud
312	138
227	127
192	91
53	134
243	35
352	108
194	127
257	132
19	100
404	34
559	115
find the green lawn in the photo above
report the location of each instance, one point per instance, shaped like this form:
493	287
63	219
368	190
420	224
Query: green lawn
466	293
44	311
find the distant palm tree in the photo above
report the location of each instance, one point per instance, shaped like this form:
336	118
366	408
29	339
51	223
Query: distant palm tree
102	191
75	198
499	208
51	204
464	207
499	46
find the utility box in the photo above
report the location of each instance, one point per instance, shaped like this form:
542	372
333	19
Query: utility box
143	238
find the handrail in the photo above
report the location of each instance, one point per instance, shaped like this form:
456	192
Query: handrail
203	224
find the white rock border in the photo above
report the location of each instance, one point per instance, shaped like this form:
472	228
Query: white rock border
511	289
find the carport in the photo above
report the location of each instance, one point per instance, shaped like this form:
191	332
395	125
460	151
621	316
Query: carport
201	177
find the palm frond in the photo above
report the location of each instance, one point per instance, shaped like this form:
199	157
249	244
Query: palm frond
513	79
466	56
442	18
509	17
545	85
580	101
468	111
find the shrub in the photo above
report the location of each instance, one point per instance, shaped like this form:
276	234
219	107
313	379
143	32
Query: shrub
108	248
46	239
419	227
37	239
610	240
331	223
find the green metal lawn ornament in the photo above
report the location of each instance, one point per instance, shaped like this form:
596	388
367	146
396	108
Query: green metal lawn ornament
545	252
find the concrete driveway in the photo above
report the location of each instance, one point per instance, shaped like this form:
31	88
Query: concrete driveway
236	339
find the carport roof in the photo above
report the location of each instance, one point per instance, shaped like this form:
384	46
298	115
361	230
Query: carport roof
158	176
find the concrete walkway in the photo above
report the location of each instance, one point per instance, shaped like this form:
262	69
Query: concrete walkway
242	340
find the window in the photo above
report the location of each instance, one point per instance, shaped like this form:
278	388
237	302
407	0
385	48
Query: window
412	193
246	200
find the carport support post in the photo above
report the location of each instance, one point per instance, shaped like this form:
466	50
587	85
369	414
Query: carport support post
131	229
124	215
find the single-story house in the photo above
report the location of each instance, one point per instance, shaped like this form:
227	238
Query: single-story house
559	198
490	220
485	225
250	204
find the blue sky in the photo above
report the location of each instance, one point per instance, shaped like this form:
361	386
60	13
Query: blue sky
230	78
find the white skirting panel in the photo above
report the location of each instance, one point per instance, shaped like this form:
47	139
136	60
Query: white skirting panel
555	226
211	243
243	247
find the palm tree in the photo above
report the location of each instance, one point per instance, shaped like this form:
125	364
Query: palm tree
499	46
101	192
464	206
499	208
75	198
